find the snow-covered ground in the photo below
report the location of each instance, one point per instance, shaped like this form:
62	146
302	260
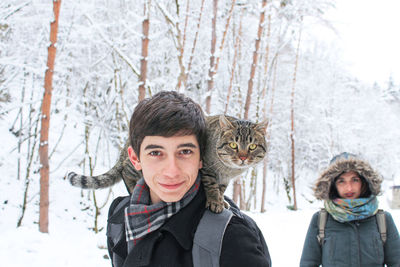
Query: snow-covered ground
70	243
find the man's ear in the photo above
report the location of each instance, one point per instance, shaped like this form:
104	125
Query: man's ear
134	158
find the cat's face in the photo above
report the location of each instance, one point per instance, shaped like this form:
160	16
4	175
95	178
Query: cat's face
241	143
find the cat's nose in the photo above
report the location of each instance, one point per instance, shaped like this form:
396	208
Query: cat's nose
242	158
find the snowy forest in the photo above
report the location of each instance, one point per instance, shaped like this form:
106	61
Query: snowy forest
252	59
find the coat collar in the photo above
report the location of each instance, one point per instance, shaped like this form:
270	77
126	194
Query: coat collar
182	226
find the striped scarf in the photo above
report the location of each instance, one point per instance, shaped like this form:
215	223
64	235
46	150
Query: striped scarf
142	217
346	210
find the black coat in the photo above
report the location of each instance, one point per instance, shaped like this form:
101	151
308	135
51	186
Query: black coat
171	244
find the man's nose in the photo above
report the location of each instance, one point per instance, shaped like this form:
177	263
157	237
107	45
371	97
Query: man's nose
172	167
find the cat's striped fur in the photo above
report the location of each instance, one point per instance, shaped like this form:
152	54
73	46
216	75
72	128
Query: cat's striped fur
233	146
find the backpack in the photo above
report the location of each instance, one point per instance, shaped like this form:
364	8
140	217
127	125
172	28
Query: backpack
323	217
207	242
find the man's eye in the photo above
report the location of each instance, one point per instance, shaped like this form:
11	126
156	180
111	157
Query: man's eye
186	151
356	180
155	153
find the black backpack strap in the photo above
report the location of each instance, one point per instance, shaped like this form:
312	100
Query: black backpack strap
116	242
322	218
207	242
381	221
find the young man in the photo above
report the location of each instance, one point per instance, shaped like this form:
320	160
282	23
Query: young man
168	137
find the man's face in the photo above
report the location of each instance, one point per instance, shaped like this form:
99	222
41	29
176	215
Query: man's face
170	165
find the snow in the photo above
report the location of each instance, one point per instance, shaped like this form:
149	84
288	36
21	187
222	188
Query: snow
70	242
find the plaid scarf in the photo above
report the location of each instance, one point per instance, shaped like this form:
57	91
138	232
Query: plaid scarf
142	217
346	210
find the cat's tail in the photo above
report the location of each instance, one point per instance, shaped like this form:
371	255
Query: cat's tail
111	177
104	180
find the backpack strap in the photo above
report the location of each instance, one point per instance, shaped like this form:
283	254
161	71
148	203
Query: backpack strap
322	218
115	229
381	221
207	242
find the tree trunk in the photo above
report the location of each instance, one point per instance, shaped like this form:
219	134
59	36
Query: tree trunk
266	69
194	43
292	122
30	155
268	137
252	73
211	70
236	190
221	46
181	43
186	22
235	56
179	40
264	183
145	50
45	123
255	60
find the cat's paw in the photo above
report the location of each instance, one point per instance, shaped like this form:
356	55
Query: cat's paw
215	206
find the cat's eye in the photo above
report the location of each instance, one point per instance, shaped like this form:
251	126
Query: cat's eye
252	146
233	145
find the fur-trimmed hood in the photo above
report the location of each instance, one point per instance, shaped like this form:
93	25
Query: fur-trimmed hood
343	163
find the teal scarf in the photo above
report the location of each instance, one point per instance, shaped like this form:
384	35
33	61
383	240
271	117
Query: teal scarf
346	210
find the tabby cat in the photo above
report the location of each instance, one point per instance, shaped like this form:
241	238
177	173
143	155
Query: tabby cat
233	146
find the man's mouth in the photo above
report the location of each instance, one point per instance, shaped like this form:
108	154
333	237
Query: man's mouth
171	186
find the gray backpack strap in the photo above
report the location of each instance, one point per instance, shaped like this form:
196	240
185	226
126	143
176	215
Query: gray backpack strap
208	238
381	221
322	218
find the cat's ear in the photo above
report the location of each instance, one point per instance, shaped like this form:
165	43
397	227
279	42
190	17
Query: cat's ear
224	122
134	158
262	126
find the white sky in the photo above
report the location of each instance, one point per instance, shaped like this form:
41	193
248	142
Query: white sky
369	32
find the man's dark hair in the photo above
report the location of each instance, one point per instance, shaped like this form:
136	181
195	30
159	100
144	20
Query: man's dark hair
365	191
167	114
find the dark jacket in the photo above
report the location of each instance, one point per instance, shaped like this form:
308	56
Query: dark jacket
171	245
351	244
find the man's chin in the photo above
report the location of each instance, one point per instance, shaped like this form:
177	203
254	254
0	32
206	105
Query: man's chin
171	196
171	199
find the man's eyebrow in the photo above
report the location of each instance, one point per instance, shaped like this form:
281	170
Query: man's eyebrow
187	145
152	147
